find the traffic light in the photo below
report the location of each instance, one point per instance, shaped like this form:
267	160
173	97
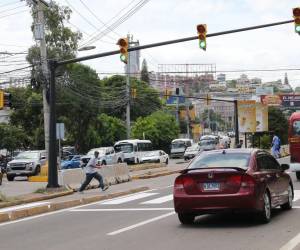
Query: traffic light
123	43
296	13
1	99
201	28
177	91
7	100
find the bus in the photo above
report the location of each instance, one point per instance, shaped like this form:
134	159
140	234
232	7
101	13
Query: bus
178	147
294	139
133	150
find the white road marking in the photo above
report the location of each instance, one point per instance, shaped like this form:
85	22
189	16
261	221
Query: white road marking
290	245
35	204
127	199
159	200
140	224
123	209
296	195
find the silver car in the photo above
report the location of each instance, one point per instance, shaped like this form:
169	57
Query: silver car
206	145
26	163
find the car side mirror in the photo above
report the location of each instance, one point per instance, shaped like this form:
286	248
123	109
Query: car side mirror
284	167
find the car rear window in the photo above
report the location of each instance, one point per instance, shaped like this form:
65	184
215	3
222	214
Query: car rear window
220	159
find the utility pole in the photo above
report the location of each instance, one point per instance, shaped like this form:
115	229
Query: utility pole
39	33
128	91
187	110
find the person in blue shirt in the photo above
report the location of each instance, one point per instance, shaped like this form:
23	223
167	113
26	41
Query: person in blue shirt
276	146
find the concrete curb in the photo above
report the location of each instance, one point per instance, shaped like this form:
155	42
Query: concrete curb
23	213
146	166
40	197
148	176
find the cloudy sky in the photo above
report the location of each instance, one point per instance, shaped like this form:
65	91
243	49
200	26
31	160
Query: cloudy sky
159	20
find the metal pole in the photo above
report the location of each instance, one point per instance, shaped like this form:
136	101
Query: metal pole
45	70
236	122
52	165
128	91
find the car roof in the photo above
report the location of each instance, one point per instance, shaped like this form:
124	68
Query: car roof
234	150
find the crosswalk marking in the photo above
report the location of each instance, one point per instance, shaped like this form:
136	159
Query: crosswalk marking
159	200
127	199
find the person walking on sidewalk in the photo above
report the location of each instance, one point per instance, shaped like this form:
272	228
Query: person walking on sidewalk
91	172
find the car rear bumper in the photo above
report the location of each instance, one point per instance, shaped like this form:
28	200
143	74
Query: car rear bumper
20	172
204	204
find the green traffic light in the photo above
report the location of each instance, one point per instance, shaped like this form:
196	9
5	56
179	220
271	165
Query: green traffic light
123	58
202	44
297	28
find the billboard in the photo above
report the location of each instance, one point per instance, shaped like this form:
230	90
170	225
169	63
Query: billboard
247	116
290	100
262	123
271	100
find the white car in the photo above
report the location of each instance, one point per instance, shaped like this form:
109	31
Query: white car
157	156
191	152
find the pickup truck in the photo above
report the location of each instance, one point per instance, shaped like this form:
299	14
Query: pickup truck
26	163
107	156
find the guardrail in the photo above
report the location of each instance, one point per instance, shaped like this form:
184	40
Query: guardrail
112	174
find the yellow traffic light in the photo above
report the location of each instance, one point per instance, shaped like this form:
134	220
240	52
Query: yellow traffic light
202	30
1	99
296	14
123	43
133	93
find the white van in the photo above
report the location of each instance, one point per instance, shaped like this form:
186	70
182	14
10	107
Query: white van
133	150
179	146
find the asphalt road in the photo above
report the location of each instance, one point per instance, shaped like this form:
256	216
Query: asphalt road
146	221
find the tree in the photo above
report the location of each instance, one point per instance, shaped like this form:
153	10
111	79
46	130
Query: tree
278	124
144	72
297	90
160	127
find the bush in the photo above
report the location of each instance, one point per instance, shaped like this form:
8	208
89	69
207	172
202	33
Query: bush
265	142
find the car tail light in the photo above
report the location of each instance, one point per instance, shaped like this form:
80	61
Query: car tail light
178	185
248	184
234	180
183	183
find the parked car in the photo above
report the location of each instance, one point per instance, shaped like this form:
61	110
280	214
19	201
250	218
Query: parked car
191	152
245	180
208	144
73	161
107	156
158	156
26	163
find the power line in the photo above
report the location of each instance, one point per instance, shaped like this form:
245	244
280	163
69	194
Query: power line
7	10
8	4
6	72
13	14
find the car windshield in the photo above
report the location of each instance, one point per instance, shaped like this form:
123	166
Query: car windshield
207	142
27	155
178	145
193	148
125	148
221	159
152	153
101	151
296	128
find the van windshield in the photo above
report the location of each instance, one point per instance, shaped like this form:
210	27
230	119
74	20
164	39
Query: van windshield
125	148
296	128
178	145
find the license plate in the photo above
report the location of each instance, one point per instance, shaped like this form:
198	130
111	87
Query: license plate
211	186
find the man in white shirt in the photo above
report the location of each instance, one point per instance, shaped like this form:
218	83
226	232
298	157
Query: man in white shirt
91	172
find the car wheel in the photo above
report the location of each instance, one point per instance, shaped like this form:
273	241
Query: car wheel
119	160
37	170
186	219
10	177
298	176
1	180
103	163
289	204
167	161
265	215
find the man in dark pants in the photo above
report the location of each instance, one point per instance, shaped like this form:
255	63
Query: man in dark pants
91	172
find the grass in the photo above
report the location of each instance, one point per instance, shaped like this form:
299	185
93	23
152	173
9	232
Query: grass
50	190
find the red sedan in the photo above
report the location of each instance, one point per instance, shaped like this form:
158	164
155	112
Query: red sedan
232	180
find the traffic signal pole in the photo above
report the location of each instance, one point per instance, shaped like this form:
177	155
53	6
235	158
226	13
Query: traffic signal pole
128	91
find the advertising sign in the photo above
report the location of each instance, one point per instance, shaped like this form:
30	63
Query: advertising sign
264	90
271	100
261	117
247	116
290	100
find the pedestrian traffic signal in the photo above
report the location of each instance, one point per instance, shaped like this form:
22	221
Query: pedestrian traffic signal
123	43
296	13
201	28
1	99
7	100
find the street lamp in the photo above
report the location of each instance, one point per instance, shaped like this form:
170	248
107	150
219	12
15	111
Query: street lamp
87	48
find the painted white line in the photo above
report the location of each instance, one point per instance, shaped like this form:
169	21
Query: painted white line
123	209
127	199
290	245
296	195
140	224
159	200
296	206
35	204
51	213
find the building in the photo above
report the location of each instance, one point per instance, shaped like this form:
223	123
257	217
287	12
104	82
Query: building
134	60
221	77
